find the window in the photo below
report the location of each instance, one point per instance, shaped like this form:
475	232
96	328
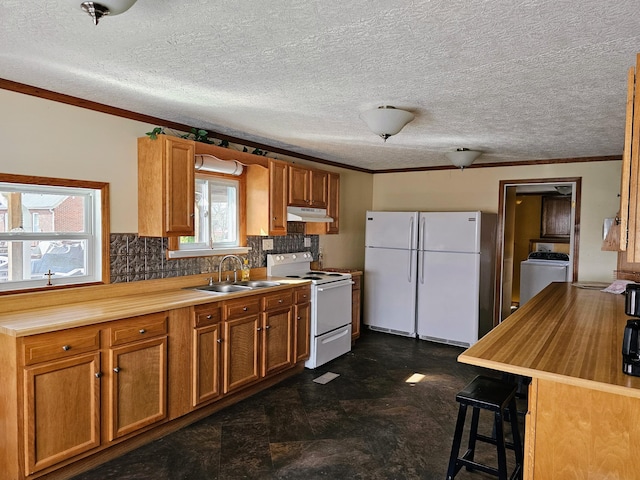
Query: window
218	223
50	232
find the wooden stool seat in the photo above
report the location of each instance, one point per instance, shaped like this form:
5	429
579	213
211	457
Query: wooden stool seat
497	396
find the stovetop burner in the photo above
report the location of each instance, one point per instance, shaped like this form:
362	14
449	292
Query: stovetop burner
297	265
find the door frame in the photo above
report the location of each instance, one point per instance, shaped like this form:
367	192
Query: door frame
502	206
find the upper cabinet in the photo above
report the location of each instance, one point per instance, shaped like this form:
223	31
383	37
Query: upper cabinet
307	187
267	199
166	186
333	209
629	211
556	217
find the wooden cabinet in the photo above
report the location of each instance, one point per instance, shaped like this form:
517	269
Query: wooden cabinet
277	332
356	302
333	209
629	189
307	187
556	217
166	185
241	345
206	346
62	396
267	190
302	323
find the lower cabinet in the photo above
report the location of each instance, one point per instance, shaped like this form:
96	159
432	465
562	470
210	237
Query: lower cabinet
241	342
302	323
356	302
62	414
206	345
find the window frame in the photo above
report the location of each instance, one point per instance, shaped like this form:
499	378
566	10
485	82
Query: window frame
103	238
174	251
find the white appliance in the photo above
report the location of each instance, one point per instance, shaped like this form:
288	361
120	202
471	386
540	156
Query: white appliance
539	270
330	304
430	274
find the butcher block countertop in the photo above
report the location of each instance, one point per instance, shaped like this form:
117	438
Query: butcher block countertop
565	334
42	312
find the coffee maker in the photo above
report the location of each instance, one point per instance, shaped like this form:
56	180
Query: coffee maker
630	341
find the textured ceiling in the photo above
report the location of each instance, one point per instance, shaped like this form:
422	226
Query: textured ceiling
518	80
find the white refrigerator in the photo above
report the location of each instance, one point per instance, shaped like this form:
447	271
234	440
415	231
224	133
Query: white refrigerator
430	274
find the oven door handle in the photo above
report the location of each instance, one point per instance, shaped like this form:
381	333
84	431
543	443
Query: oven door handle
337	285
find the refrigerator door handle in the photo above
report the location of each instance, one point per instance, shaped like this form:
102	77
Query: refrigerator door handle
421	255
421	237
411	226
410	254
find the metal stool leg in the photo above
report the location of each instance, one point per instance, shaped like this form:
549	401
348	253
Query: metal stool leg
457	440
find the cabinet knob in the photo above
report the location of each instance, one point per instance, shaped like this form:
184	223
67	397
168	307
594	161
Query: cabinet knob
275	218
219	340
66	348
267	327
280	301
209	317
116	369
259	329
299	318
98	374
245	308
142	331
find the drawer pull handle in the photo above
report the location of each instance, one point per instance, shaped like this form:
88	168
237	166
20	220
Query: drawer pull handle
259	329
66	348
209	317
280	301
142	331
267	327
98	374
116	369
245	308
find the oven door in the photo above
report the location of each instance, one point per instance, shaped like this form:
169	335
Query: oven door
331	306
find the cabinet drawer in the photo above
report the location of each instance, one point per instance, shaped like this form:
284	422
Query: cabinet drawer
241	307
278	299
63	344
207	314
302	295
138	328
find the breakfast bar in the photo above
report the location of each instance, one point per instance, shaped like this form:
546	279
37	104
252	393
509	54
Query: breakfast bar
583	418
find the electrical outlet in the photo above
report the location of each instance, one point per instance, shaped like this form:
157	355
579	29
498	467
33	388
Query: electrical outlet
307	242
267	244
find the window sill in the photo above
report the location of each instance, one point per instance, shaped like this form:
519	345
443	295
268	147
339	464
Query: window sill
207	252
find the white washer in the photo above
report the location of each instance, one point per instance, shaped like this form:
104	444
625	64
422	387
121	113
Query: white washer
538	271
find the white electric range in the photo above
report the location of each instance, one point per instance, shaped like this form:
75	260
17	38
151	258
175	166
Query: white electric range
330	304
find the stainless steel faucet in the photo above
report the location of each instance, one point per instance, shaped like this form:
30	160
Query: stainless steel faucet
235	271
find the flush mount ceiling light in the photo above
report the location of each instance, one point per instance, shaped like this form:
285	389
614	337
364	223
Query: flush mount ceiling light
462	157
386	120
97	10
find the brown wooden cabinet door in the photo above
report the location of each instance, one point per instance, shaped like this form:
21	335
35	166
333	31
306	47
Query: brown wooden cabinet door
318	188
278	187
277	341
299	194
206	364
241	352
62	410
180	186
302	316
138	386
355	313
556	217
333	202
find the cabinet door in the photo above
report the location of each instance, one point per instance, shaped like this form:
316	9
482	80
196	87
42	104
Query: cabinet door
278	186
318	188
302	315
62	410
180	187
355	312
277	341
556	217
240	347
333	202
206	364
138	386
299	194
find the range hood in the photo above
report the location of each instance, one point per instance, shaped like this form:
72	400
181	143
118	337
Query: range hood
304	214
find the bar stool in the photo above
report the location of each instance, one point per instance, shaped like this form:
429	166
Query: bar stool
499	397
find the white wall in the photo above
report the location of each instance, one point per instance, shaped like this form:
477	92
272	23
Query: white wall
477	189
50	139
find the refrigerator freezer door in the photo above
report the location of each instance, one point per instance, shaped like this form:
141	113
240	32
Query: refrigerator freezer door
448	301
449	231
392	230
390	290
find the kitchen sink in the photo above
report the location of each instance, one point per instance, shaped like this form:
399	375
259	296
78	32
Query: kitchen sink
236	286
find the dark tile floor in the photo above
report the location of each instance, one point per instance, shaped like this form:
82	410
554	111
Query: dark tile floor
366	424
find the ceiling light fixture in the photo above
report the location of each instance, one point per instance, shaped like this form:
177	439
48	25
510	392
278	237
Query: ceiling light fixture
97	10
462	157
386	120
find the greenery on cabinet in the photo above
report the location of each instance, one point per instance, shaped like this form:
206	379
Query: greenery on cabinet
202	136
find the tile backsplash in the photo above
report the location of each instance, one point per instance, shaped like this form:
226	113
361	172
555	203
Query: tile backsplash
135	258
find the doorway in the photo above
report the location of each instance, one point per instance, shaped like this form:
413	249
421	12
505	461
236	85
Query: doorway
551	234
